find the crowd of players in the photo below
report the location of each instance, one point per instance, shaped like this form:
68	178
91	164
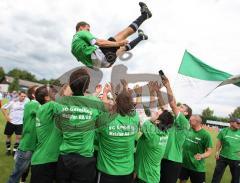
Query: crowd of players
108	136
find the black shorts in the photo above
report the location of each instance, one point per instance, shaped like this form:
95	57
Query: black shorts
170	171
76	168
106	178
195	177
110	52
12	128
43	173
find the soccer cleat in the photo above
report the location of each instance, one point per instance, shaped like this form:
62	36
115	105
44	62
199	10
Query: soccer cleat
145	10
141	34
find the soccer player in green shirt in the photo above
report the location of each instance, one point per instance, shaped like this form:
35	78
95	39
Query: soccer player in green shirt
228	152
151	145
172	161
196	148
115	161
100	53
49	137
28	140
80	112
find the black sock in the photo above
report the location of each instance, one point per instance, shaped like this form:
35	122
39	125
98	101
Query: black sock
8	145
133	43
136	24
15	146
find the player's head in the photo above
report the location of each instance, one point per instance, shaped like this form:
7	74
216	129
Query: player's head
186	110
31	92
45	94
195	120
124	103
79	82
235	123
165	120
82	26
21	96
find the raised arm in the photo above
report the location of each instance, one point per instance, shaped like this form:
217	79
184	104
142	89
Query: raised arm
157	88
171	98
107	103
151	88
138	91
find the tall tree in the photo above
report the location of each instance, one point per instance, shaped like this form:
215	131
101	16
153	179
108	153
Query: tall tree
207	114
2	73
236	113
14	86
22	74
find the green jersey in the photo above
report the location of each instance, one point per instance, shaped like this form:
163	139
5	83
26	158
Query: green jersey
230	140
177	135
116	143
49	137
150	151
82	48
196	143
29	137
78	124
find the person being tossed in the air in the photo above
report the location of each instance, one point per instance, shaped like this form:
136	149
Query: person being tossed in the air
100	53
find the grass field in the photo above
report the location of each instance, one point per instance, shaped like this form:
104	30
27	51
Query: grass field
6	162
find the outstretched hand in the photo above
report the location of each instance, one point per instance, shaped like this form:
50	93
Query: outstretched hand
151	87
107	88
98	88
137	89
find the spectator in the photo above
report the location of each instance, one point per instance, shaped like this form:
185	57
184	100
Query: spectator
228	152
196	148
14	121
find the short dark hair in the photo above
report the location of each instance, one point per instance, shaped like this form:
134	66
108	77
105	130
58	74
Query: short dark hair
43	92
166	120
80	24
20	92
124	103
79	81
31	92
189	111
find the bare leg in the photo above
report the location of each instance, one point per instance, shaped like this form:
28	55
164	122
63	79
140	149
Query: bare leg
18	137
133	27
121	51
124	34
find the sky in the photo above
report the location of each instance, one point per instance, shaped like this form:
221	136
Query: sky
36	36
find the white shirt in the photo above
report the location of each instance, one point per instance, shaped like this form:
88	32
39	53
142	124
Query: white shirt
1	96
16	109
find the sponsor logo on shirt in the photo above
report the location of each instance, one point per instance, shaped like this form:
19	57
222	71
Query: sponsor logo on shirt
228	136
122	130
190	140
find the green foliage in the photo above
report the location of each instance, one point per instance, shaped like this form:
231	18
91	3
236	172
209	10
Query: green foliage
2	73
236	113
55	82
43	81
14	86
22	74
207	114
